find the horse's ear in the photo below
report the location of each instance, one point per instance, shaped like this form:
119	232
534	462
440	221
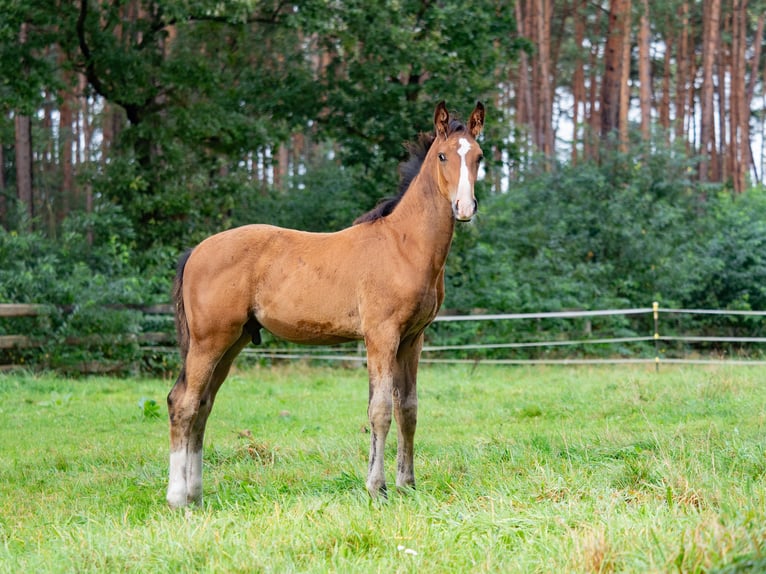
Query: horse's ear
441	120
476	123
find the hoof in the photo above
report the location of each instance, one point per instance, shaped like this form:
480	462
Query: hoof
181	500
176	499
405	488
377	491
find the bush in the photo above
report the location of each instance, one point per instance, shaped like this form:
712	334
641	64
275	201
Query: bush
93	289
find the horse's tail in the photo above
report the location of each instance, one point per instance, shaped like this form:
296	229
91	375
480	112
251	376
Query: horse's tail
182	325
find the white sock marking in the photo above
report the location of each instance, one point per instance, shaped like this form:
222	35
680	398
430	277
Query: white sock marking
177	483
194	479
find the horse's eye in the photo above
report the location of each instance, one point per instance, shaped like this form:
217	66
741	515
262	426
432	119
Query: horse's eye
480	159
442	157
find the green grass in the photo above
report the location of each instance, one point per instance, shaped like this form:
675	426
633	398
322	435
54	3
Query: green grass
610	469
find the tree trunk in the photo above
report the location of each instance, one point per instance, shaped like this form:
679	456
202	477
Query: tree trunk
710	29
644	72
66	157
740	116
594	112
665	102
613	57
524	84
578	80
23	142
3	204
681	72
23	126
545	102
754	70
755	60
722	163
625	81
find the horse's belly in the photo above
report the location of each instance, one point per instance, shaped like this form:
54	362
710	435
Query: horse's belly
307	332
309	326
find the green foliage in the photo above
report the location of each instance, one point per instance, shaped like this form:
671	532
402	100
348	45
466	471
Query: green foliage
733	250
194	111
327	198
392	61
149	408
201	107
633	230
93	289
29	67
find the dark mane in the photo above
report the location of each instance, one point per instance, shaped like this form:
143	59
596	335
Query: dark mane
408	170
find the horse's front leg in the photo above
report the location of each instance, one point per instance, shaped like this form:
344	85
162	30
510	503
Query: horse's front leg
380	365
405	395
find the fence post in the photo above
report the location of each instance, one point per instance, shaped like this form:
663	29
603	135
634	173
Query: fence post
656	312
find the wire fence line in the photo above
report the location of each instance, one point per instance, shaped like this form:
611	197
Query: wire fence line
158	342
543	315
342	353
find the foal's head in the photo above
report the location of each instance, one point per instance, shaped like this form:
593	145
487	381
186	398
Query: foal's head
457	157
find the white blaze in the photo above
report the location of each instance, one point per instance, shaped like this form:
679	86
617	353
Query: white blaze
464	203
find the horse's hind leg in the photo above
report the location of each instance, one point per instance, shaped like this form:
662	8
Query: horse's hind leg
189	404
406	409
184	402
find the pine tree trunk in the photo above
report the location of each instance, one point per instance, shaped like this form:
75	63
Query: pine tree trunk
578	80
710	29
754	70
644	72
23	150
755	60
524	84
23	126
724	59
625	80
665	102
613	57
65	144
3	204
594	112
546	92
740	116
681	71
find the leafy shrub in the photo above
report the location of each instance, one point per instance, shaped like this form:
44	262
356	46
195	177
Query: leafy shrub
622	234
92	288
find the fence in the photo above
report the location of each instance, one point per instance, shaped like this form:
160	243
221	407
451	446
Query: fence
653	326
15	341
154	341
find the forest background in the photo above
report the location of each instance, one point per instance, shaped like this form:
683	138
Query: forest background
624	148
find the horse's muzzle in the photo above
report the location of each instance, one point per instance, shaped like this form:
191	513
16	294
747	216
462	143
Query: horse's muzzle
465	211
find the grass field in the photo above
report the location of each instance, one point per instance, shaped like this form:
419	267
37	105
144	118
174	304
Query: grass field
570	469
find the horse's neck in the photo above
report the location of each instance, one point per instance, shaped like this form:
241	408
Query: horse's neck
427	219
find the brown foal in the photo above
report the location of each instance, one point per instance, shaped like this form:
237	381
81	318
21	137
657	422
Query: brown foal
380	280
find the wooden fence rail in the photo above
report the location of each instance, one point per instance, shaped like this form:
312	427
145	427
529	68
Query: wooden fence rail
18	310
22	341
